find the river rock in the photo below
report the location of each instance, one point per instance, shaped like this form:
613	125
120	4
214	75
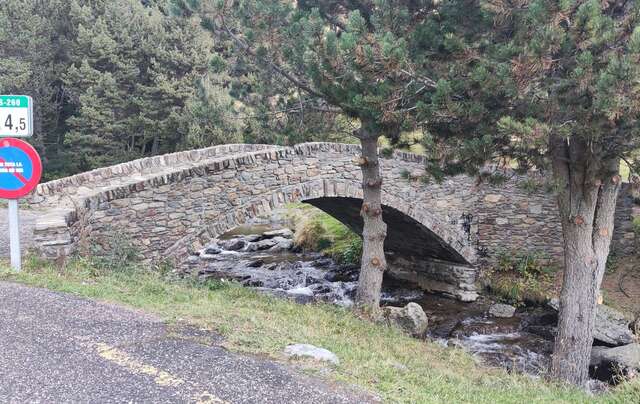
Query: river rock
410	318
611	327
301	295
212	250
635	326
344	273
193	259
323	262
311	351
255	264
235	244
285	233
229	254
611	363
252	237
261	245
502	310
281	244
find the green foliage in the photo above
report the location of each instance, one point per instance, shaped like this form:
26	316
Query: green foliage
114	253
364	59
318	231
131	72
113	80
496	178
520	277
636	226
530	185
387	152
518	76
612	263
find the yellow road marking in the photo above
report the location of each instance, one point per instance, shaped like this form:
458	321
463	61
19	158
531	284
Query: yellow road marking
121	358
161	377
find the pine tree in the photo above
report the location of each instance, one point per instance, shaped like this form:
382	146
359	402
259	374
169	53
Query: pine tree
350	57
547	85
32	56
133	72
111	80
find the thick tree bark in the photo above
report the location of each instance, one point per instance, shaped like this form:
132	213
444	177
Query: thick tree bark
374	231
586	201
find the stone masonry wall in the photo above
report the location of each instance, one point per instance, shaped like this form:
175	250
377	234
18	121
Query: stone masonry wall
168	216
509	217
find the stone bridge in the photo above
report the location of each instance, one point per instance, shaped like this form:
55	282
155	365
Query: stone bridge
171	205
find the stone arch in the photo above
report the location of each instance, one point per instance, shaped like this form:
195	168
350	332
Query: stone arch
446	241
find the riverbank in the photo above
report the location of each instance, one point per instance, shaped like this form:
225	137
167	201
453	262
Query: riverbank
379	359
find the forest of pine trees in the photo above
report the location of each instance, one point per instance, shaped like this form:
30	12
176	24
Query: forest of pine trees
115	80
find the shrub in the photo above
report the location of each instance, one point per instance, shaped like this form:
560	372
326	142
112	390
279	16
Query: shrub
386	152
530	185
520	277
115	253
318	231
636	226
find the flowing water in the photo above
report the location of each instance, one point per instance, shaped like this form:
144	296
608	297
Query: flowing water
265	259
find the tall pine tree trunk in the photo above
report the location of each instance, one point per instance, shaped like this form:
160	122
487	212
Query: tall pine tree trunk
586	201
375	230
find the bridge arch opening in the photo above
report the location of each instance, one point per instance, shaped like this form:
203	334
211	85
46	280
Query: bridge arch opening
406	236
414	252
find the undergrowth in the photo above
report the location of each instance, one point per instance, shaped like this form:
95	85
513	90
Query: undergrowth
318	231
521	277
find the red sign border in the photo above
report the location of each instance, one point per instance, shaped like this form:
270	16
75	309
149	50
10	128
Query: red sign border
36	170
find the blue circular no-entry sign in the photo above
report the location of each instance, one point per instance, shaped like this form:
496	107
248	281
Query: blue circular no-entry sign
20	168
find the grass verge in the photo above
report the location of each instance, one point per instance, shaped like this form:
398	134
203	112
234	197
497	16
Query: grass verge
376	358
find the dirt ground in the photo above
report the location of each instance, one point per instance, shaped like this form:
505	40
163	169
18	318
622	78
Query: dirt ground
621	285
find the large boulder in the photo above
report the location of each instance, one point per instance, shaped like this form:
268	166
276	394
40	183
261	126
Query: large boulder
612	363
502	310
311	351
611	327
410	318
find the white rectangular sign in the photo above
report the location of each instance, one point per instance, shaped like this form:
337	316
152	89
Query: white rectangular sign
16	116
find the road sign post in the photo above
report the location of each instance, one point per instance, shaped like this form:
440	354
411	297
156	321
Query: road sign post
20	165
14	235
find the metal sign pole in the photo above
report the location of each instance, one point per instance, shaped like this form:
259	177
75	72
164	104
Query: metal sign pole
14	235
20	165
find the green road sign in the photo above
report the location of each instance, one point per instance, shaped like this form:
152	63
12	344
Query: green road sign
16	115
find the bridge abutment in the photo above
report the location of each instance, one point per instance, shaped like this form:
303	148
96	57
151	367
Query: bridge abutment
452	279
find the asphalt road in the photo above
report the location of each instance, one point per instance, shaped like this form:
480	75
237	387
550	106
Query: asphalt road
59	348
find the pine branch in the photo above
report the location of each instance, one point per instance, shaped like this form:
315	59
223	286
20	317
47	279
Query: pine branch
280	70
